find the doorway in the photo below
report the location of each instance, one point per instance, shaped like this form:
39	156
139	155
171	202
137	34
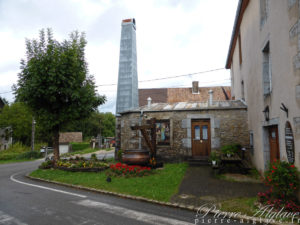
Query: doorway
274	143
201	143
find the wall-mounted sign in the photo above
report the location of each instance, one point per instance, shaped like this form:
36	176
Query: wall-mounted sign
289	142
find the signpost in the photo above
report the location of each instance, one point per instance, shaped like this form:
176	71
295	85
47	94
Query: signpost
289	143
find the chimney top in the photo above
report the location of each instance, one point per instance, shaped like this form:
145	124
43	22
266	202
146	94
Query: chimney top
195	87
149	99
129	20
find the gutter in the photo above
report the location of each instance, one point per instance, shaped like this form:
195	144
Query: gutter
234	31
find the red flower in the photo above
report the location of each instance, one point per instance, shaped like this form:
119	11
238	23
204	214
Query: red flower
292	166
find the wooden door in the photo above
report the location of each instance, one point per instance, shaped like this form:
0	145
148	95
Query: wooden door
201	138
274	144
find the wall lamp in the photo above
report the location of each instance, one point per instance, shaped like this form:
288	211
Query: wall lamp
267	113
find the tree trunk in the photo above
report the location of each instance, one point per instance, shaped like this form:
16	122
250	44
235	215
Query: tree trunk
56	144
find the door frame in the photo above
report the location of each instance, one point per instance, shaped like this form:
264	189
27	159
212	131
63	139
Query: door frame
209	134
277	141
265	139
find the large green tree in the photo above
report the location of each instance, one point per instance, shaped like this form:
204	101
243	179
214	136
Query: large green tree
54	82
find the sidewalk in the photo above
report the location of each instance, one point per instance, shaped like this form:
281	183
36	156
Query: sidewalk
199	187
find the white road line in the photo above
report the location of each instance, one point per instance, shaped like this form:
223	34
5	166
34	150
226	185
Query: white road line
46	188
7	219
140	216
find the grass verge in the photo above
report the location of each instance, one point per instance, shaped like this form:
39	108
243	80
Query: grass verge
160	186
244	205
20	153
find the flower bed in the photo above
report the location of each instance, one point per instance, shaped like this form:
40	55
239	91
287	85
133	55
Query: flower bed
120	169
77	164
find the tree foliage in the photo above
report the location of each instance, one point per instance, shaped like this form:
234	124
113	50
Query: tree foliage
91	126
19	118
55	84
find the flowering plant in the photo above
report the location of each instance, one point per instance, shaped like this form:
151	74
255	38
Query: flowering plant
120	169
282	180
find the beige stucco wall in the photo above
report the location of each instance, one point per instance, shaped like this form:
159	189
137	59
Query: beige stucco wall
285	77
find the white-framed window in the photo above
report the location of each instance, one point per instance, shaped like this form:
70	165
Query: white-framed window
266	70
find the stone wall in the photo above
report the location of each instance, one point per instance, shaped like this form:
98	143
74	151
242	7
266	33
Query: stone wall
228	126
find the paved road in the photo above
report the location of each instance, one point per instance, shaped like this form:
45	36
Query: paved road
23	201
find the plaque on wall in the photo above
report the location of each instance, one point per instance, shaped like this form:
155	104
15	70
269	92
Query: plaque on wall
289	142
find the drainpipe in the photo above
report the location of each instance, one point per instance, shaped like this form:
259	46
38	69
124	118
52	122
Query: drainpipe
140	136
210	92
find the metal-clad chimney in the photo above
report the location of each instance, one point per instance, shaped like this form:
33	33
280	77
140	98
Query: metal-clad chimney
211	97
195	87
149	99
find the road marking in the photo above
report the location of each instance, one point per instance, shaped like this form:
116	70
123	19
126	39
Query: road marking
140	216
7	219
46	188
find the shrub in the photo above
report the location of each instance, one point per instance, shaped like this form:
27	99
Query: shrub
79	146
94	157
230	149
29	155
282	179
47	164
120	154
214	156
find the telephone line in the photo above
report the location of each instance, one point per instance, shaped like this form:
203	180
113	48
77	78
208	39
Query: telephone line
171	77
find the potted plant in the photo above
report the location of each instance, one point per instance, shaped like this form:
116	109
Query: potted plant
229	150
214	158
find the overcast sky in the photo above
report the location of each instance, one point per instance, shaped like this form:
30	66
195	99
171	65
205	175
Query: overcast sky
174	37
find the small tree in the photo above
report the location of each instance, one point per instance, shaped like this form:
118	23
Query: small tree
55	84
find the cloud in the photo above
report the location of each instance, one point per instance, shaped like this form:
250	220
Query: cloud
174	37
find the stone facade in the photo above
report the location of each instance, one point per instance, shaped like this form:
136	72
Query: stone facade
228	126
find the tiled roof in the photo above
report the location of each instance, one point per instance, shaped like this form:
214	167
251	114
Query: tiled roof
173	95
70	137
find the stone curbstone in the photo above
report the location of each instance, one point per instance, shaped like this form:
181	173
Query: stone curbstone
174	205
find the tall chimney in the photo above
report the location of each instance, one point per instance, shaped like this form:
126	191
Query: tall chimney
127	92
149	99
211	97
195	87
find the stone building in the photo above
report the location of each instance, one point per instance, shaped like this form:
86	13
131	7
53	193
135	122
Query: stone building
65	140
187	129
264	61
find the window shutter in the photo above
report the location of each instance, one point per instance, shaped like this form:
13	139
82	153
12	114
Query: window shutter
266	78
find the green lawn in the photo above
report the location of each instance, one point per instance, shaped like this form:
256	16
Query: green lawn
160	186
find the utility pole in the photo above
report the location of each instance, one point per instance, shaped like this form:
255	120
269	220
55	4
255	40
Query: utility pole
32	134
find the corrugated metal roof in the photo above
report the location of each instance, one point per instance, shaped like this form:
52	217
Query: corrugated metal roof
188	106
